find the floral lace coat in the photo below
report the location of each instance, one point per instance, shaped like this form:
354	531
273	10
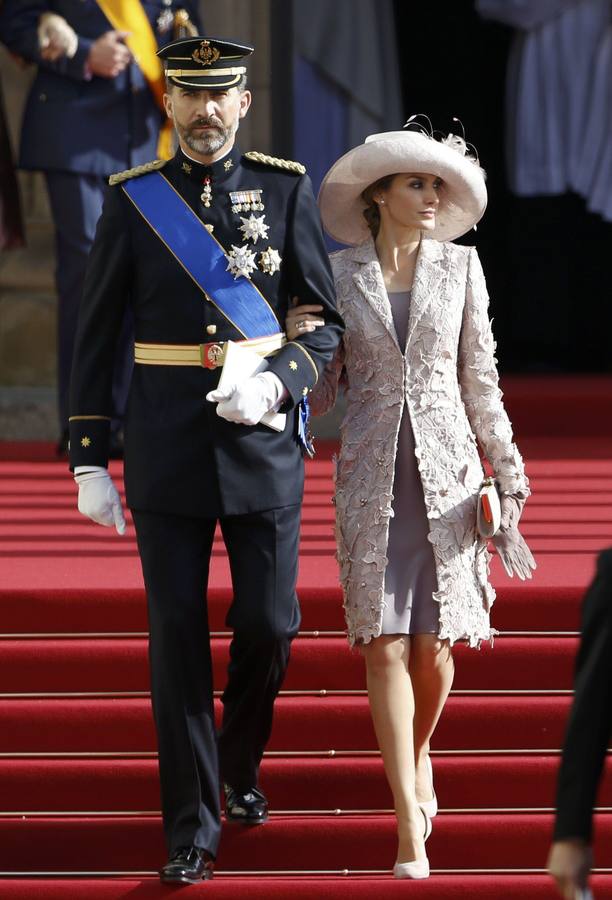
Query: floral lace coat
448	380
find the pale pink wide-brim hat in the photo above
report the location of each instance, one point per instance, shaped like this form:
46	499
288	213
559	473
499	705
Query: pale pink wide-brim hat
463	198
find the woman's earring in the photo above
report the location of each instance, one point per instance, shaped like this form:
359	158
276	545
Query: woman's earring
381	201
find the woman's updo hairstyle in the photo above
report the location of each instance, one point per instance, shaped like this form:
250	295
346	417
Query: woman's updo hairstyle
372	213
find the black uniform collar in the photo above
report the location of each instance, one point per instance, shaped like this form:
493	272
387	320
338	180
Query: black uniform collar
217	171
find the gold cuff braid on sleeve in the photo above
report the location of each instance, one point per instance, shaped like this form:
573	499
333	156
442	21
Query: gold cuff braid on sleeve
89	418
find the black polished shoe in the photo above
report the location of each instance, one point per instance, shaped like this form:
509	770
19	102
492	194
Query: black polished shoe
250	807
188	865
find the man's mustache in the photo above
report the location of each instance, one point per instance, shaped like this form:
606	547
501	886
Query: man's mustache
211	123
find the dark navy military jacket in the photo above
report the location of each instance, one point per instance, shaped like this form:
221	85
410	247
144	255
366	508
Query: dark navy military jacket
72	124
181	457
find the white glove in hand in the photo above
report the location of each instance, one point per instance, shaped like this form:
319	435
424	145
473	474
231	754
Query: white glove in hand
248	402
56	38
514	553
99	499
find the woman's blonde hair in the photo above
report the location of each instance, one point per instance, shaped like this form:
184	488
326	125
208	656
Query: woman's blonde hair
372	213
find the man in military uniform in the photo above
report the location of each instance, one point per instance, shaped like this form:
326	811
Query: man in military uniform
207	248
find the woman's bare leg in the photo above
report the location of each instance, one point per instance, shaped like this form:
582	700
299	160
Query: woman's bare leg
392	708
431	670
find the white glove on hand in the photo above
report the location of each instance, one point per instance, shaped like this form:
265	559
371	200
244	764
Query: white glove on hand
56	38
248	402
514	553
511	510
99	499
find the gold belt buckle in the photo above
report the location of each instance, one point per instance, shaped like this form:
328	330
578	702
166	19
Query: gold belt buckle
211	355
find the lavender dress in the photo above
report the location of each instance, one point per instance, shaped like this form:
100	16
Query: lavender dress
410	577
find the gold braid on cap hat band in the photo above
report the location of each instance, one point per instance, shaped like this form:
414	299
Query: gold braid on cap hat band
189	73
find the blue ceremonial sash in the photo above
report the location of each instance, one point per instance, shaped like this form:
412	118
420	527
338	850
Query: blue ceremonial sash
200	255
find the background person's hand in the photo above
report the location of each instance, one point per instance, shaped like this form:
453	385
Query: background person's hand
109	56
99	499
569	863
302	319
56	38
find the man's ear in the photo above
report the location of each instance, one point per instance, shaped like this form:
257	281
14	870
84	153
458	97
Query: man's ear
168	105
245	102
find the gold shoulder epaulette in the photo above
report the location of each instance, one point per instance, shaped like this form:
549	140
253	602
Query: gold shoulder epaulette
152	166
287	164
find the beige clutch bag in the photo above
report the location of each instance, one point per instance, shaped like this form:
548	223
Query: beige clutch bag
488	514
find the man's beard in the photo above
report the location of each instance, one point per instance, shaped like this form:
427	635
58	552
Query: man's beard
209	142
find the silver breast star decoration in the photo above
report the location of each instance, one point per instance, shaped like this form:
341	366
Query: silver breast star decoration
254	228
270	260
240	261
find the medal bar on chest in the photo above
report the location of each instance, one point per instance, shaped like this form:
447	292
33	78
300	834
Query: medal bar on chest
245	201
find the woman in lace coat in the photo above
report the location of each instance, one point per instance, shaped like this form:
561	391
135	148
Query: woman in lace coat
418	357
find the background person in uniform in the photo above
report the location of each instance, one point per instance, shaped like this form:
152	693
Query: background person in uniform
91	111
587	738
195	455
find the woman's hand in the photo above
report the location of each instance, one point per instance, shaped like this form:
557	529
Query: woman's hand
302	319
514	553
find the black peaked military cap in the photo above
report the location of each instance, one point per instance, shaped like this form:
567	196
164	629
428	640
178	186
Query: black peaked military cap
207	63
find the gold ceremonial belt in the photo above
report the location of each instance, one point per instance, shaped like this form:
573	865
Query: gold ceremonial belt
210	356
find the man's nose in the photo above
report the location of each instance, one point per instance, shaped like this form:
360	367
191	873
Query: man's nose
209	109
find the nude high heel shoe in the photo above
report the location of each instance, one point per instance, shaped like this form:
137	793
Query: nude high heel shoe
419	868
430	807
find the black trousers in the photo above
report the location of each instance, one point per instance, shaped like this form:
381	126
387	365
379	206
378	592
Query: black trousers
264	616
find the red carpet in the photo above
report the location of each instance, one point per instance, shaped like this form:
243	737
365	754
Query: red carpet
79	804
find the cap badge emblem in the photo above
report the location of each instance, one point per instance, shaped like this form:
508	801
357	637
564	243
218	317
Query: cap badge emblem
205	54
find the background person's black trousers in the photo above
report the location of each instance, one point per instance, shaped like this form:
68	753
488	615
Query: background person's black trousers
264	615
